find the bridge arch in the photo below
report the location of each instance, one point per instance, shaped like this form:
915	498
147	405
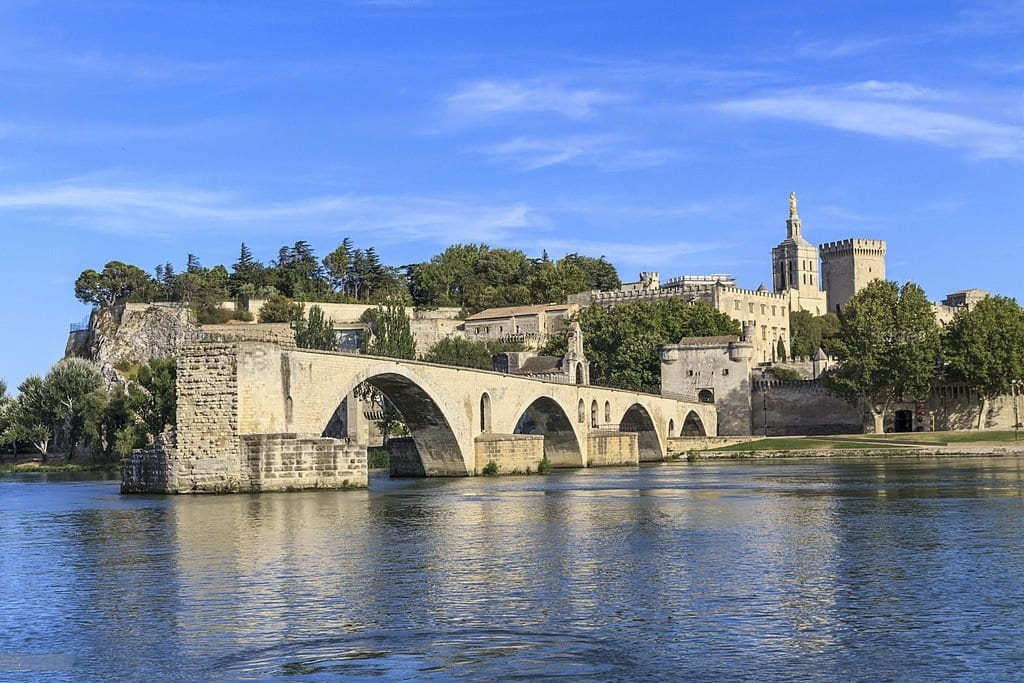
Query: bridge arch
637	419
693	425
546	417
437	446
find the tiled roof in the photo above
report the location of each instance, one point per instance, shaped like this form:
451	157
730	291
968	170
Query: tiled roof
508	312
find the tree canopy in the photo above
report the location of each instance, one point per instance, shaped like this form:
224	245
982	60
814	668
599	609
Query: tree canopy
984	348
888	343
622	342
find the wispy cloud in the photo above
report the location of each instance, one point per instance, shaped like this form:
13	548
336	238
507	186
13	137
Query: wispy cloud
887	110
171	211
851	47
609	152
484	98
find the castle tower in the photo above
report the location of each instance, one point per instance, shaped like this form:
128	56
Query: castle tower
848	266
795	267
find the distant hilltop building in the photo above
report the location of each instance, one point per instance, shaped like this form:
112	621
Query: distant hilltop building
804	277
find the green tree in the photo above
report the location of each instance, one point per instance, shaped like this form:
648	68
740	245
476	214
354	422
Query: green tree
30	415
247	274
116	283
280	309
473	277
888	347
105	414
984	348
808	333
66	386
390	335
336	265
155	399
597	272
315	332
622	342
464	353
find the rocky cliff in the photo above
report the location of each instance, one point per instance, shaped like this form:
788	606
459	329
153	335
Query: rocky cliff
132	335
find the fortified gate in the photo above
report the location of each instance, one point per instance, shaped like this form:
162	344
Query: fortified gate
256	416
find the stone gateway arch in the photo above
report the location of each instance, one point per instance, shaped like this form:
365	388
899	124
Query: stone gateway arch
256	416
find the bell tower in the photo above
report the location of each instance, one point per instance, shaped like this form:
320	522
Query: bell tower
795	266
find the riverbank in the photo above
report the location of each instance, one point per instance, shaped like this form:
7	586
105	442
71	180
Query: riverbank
917	444
33	462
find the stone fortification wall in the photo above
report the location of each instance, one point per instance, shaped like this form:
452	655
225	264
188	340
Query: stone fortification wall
286	462
608	449
281	334
511	453
802	408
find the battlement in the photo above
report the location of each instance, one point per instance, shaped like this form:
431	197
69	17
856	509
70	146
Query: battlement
854	245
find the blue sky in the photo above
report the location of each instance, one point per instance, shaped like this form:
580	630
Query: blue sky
663	135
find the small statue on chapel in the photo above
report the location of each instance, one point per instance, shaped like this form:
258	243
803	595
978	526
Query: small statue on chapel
792	204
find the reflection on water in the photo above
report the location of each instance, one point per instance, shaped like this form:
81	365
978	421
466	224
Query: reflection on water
890	569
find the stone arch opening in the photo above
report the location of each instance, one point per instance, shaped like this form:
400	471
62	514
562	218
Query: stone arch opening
485	412
545	417
638	420
431	449
706	396
593	415
671	427
579	373
693	426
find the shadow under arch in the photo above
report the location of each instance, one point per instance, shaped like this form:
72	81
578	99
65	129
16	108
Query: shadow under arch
436	446
638	420
693	425
544	416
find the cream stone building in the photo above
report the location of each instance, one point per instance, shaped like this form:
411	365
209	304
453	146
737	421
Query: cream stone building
529	325
800	278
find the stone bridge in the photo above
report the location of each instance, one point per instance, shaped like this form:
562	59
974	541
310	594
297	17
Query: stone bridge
258	416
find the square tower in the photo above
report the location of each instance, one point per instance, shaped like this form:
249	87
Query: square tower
847	266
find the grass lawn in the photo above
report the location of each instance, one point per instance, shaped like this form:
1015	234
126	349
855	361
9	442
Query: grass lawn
796	443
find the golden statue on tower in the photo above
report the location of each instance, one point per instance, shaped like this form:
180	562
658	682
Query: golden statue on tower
792	204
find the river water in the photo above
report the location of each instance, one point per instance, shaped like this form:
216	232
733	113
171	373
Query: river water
853	569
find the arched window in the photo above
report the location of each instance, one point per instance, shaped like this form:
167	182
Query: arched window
706	396
485	412
582	411
579	373
607	412
593	415
671	427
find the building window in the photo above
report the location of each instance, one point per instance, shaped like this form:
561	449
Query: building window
607	412
764	332
775	310
706	396
725	371
751	307
736	305
764	309
689	373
